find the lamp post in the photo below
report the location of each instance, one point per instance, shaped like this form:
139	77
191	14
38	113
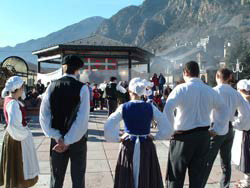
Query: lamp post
238	69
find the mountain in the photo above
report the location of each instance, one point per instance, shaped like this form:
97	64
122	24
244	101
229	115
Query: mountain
156	24
73	32
159	24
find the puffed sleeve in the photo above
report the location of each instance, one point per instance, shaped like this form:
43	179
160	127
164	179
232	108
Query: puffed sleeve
15	127
241	122
112	126
165	129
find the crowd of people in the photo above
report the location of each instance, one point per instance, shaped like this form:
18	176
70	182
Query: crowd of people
112	94
199	121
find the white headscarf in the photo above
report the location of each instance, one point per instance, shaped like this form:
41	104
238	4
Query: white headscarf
243	85
12	84
137	86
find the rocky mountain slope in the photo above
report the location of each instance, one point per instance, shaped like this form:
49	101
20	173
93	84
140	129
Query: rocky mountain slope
158	24
76	31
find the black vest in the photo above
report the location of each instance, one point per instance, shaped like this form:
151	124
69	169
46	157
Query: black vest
111	92
64	100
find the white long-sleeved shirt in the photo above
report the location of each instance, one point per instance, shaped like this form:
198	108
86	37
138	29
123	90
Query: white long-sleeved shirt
79	126
194	102
234	101
15	127
112	126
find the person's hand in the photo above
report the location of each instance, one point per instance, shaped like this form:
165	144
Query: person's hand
123	137
60	147
212	133
151	136
60	141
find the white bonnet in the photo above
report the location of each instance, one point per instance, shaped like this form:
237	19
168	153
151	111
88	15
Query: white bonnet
243	85
12	84
137	86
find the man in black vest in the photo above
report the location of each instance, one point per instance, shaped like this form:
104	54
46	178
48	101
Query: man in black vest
111	95
64	118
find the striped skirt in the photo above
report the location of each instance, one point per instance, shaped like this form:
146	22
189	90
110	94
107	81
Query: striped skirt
150	172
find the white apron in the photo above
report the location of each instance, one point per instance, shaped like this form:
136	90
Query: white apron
236	149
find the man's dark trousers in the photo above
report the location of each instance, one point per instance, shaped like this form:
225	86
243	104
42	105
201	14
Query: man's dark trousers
59	162
224	145
112	105
188	151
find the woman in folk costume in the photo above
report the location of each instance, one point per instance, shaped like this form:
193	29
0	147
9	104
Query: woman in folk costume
19	165
241	145
137	165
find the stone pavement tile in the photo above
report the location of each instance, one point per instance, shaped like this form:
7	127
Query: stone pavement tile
166	143
97	166
43	156
96	154
217	161
45	167
92	146
213	185
37	141
97	180
162	154
100	127
163	165
67	182
210	181
92	126
43	181
93	122
95	132
112	164
43	147
111	146
186	179
215	174
112	154
236	174
46	141
93	138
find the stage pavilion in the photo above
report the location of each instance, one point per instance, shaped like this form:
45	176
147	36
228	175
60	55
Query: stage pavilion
99	54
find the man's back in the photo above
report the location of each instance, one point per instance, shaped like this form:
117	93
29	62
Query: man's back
111	91
64	99
230	96
194	102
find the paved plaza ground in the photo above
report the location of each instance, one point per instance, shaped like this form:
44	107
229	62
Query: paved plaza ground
102	156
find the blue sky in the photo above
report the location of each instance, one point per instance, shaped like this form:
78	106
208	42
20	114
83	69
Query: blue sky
22	20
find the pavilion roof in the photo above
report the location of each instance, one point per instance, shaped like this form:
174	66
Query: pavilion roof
97	40
94	42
